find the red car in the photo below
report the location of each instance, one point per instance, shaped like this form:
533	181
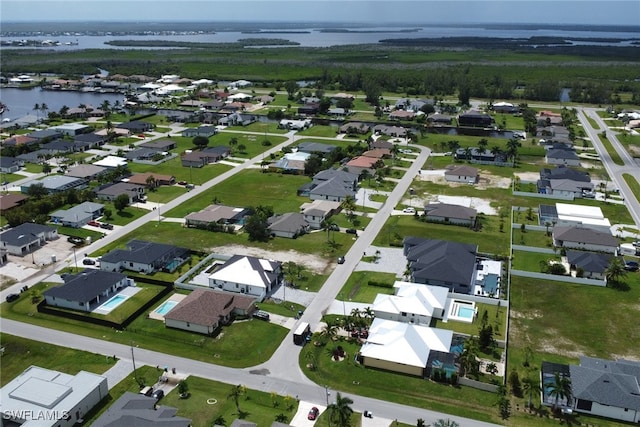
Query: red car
94	223
313	413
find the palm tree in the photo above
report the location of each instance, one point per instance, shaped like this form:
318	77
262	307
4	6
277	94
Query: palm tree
530	387
340	411
329	331
445	423
36	108
235	394
512	149
44	108
482	144
560	389
349	205
468	359
615	271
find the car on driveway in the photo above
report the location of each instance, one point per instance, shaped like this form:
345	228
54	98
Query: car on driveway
182	182
351	231
313	413
158	394
262	315
631	265
106	226
94	223
75	240
12	297
88	261
409	210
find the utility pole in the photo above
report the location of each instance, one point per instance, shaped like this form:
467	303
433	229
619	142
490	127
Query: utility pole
133	359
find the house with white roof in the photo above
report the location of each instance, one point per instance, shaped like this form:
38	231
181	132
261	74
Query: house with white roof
111	162
412	303
62	400
247	275
403	347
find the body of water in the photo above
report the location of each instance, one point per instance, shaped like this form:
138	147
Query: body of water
20	102
314	37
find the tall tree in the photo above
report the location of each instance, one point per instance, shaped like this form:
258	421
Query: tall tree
615	271
236	392
560	388
348	205
36	108
200	141
512	149
121	202
340	411
530	387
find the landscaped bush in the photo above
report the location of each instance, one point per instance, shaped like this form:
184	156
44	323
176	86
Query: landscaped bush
380	284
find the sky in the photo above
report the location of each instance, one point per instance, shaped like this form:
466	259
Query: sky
590	12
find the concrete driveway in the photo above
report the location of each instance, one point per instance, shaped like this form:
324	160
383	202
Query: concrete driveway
300	418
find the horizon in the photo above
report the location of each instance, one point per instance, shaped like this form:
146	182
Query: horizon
406	12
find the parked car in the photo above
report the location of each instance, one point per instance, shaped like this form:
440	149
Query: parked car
351	231
262	315
75	240
313	413
334	227
106	226
631	265
12	297
406	151
94	223
340	260
368	414
158	394
146	391
182	182
88	261
409	210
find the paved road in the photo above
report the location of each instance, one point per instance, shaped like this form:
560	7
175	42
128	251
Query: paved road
615	171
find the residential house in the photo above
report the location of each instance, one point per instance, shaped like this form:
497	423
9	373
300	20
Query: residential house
205	156
136	126
475	119
264	99
402	347
11	200
571	214
355	128
438	119
584	238
143	154
291	163
37	156
402	115
237	119
474	155
151	180
92	139
56	184
45	135
378	153
563	172
606	388
395	131
411	303
562	157
18	140
111	192
316	147
10	164
217	214
441	263
294	124
26	238
450	214
77	216
247	275
204	311
205	131
135	409
145	257
465	174
87	172
317	212
548	118
589	264
331	184
160	144
86	290
62	146
308	109
359	164
39	397
342	95
239	84
380	143
111	162
564	187
71	129
505	108
414	105
337	113
289	225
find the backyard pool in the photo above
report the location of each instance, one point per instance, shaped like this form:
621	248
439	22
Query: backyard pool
111	304
165	307
462	311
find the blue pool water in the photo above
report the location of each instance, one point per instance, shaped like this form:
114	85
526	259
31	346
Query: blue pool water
166	307
466	312
172	265
114	302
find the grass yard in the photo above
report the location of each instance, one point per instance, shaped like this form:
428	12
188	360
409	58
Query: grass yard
174	167
250	188
79	232
123	217
319	130
225	349
489	238
32	167
357	287
165	193
615	157
497	319
262	127
350	377
532	238
20	353
531	261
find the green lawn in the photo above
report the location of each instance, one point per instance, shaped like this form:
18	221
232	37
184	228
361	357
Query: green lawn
250	188
319	130
33	167
615	157
531	261
165	193
532	238
357	287
489	239
174	167
125	216
20	353
226	349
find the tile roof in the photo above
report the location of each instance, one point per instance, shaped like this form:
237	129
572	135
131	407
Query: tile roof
207	307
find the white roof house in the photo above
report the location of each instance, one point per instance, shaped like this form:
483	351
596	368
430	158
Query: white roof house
70	128
247	275
398	343
111	162
413	303
43	391
239	96
580	214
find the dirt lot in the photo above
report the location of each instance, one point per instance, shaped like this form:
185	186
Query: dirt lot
312	262
19	268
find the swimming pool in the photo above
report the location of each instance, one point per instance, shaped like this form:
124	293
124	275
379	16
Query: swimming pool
165	307
466	312
111	304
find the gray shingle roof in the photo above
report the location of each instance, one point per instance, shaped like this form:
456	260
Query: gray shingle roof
85	286
589	261
584	235
27	232
441	260
143	252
